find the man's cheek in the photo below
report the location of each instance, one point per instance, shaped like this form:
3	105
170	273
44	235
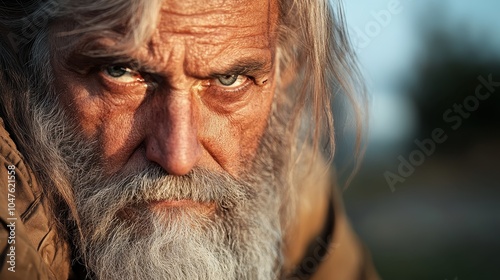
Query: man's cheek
251	128
117	129
119	138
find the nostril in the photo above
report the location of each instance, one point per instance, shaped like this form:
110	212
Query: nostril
174	156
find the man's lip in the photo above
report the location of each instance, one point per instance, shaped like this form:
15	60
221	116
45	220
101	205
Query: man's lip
175	203
163	205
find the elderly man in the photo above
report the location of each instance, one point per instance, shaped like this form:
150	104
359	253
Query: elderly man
163	139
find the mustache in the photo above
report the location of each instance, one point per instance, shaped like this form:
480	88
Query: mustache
120	200
154	184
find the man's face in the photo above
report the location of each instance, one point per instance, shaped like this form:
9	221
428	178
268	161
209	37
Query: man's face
197	95
188	182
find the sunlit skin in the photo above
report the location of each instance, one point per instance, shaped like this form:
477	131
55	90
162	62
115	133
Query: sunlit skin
181	109
200	96
178	139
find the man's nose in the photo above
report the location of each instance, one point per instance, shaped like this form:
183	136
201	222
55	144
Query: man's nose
173	141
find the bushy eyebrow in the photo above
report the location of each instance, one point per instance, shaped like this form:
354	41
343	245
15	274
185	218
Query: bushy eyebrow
244	67
85	58
250	67
85	61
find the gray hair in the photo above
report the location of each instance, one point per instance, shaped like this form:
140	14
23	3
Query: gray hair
315	62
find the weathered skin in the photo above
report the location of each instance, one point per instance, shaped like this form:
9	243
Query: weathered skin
190	119
174	111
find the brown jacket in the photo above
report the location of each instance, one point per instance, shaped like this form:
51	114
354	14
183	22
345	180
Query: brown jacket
31	249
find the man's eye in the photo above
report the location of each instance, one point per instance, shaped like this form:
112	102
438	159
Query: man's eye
231	81
122	74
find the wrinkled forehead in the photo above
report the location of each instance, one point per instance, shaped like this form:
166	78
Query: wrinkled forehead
134	23
241	10
218	17
241	23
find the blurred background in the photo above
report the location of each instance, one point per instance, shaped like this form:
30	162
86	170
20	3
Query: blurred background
426	200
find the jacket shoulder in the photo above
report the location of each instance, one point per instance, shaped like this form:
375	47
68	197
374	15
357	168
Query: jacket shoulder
26	234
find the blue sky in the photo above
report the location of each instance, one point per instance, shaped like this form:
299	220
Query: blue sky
385	34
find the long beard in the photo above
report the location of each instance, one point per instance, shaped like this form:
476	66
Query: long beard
121	238
239	239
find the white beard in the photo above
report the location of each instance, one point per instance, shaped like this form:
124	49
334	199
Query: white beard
120	238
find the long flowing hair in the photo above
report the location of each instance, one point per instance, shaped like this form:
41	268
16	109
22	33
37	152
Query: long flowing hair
315	63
